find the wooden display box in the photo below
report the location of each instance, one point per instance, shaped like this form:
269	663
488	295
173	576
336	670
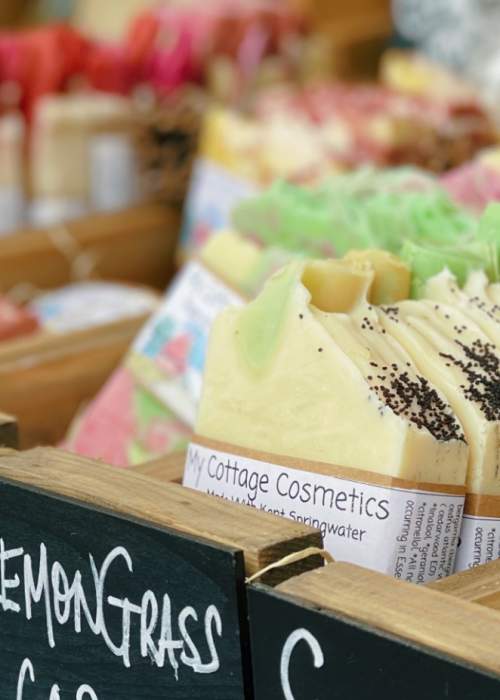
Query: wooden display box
8	431
345	632
116	585
134	245
46	378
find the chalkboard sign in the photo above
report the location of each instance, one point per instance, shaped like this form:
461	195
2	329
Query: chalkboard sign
302	650
8	431
101	605
106	608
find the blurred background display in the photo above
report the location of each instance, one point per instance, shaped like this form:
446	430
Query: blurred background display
219	139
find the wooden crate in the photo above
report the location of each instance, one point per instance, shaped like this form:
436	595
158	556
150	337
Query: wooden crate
345	632
46	378
133	245
167	469
173	560
8	431
304	632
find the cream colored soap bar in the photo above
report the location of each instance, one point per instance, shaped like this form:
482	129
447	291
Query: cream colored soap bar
286	375
453	352
474	300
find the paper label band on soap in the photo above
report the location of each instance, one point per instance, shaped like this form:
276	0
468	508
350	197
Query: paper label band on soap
409	533
480	534
479	542
168	356
213	193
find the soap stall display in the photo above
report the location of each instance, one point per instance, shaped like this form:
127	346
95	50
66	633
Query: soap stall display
416	378
431	364
57	349
149	405
152	399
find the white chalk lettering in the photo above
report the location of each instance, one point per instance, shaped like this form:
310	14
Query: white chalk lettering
165	635
288	648
26	667
5	581
84	691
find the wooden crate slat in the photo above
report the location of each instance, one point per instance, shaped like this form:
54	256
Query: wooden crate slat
46	379
133	245
167	469
457	628
478	585
263	538
8	431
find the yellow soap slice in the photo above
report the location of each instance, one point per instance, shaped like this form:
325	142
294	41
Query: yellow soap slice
277	379
452	351
337	285
231	256
392	277
473	300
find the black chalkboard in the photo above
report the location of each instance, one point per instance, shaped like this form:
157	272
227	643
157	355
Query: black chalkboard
353	662
201	580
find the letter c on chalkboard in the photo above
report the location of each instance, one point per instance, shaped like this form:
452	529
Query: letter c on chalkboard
290	644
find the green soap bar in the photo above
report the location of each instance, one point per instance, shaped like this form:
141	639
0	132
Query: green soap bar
365	209
427	260
285	215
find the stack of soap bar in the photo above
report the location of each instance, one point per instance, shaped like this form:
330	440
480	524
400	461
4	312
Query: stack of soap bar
400	210
306	135
466	126
453	336
369	208
301	416
415	74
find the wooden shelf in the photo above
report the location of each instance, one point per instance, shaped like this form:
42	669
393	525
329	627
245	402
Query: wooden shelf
45	379
133	245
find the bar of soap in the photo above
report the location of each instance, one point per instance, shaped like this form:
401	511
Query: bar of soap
473	300
428	259
451	350
231	256
278	379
